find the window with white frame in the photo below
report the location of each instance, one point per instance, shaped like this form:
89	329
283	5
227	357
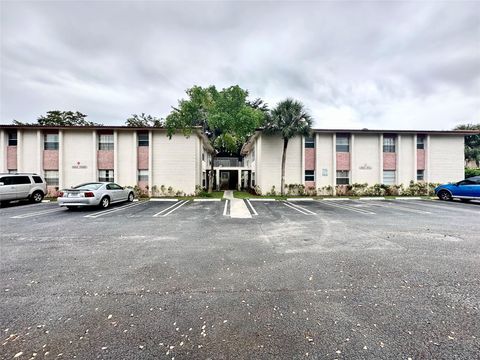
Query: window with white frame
420	175
389	144
342	143
105	175
389	177
51	177
12	138
309	175
142	175
143	139
309	142
343	177
420	142
50	142
105	142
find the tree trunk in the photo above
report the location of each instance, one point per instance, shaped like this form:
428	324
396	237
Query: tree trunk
212	172
284	157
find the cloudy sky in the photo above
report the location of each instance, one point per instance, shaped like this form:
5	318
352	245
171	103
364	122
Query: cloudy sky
374	64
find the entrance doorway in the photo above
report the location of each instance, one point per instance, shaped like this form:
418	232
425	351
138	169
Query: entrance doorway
228	179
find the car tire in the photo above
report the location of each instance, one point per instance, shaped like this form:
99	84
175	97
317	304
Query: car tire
444	195
36	197
105	202
131	196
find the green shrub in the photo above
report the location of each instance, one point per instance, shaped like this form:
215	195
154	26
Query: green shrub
471	172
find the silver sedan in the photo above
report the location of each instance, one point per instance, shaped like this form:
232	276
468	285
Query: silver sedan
94	194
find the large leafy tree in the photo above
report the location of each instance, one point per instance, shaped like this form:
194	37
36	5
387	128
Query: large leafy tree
472	143
61	118
288	119
143	120
225	116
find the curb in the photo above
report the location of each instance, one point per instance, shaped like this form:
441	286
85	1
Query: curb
299	199
46	201
205	200
334	199
158	199
372	198
267	199
408	198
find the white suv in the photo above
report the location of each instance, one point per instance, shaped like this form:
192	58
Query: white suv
21	186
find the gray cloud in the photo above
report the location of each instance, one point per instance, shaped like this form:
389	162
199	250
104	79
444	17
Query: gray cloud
353	64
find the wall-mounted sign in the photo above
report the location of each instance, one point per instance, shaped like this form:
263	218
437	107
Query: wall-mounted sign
79	166
324	172
365	167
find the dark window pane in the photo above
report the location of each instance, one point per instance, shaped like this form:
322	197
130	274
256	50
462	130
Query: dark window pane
37	179
309	142
143	139
12	138
17	180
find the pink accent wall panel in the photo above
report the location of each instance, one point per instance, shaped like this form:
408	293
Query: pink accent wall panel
343	161
309	184
310	159
12	157
50	159
143	184
389	161
105	159
142	156
420	159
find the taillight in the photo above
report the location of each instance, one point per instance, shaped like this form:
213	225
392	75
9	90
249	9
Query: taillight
60	194
89	194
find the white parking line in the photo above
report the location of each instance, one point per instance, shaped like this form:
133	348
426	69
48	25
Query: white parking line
36	213
401	208
251	207
298	208
428	203
110	211
350	208
225	208
166	212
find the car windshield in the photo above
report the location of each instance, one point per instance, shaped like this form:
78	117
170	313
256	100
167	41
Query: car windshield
88	186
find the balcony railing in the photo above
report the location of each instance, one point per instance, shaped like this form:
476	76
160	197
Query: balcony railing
227	162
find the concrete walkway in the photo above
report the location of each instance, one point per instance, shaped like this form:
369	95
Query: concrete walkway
238	209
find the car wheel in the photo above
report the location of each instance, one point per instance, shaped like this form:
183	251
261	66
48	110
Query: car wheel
105	202
36	197
131	197
444	195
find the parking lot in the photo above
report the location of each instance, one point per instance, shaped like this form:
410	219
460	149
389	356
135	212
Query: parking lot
352	279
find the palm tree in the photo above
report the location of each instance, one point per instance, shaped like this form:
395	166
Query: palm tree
288	119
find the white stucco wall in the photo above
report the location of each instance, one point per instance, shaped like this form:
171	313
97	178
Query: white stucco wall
270	162
445	159
367	148
174	161
126	174
324	160
30	152
406	160
78	146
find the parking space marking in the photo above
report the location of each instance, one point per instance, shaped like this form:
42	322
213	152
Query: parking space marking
36	213
438	206
251	207
225	208
349	208
110	211
400	207
166	212
300	209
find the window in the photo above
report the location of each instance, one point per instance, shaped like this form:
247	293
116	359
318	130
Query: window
12	171
12	138
309	142
105	175
253	154
113	187
142	175
37	179
421	142
18	180
253	179
50	142
420	175
203	155
309	175
105	142
389	177
51	177
343	177
343	143
204	180
143	139
6	180
389	144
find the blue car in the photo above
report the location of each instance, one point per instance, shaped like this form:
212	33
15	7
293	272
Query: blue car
465	190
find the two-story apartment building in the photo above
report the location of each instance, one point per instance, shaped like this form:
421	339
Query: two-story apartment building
341	157
146	157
